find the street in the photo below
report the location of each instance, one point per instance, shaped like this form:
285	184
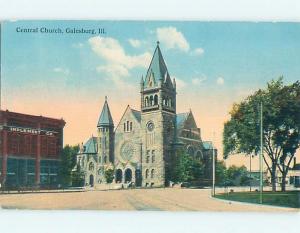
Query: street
164	199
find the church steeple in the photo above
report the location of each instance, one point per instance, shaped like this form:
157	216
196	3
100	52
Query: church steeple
158	91
105	118
157	71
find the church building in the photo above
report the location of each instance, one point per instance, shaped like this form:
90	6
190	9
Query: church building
140	148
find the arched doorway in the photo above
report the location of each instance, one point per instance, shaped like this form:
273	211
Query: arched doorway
138	178
91	180
199	155
119	176
128	175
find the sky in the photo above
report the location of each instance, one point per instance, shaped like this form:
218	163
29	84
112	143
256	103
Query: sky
215	64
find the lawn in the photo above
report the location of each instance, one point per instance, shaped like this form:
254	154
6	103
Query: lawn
287	199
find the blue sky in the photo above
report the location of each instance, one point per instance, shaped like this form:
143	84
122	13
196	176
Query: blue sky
214	63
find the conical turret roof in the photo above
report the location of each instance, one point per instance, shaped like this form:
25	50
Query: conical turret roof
157	69
105	118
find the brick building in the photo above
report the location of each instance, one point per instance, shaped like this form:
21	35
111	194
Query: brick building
30	148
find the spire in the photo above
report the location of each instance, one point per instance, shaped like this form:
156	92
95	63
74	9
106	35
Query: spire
142	80
105	118
157	69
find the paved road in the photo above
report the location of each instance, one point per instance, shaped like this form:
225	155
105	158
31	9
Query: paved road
135	199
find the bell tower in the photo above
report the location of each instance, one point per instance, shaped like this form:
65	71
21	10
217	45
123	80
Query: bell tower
158	118
105	136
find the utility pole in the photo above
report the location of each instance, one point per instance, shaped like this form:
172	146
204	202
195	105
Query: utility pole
213	167
261	153
250	173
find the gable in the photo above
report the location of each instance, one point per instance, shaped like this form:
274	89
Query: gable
190	122
129	115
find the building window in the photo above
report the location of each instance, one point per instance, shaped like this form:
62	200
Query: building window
124	127
146	101
105	159
153	156
155	100
151	100
147	173
152	173
148	156
91	166
130	126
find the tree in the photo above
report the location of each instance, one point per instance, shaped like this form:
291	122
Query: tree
77	177
237	175
67	163
109	175
220	173
186	168
281	116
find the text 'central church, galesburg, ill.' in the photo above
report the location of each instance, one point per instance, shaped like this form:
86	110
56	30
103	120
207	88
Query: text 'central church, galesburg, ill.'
140	149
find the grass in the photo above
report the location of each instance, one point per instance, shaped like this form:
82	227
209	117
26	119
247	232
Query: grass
285	199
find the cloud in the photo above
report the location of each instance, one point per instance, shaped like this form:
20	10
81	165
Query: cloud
135	43
172	38
220	81
117	63
198	81
111	51
116	73
61	70
198	51
180	84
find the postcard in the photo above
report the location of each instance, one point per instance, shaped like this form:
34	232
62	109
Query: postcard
150	115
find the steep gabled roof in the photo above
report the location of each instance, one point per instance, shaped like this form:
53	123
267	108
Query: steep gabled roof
137	114
90	147
105	118
180	119
157	70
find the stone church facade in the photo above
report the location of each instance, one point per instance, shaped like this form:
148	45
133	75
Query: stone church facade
140	148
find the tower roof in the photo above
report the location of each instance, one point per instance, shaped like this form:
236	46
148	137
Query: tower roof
157	69
105	118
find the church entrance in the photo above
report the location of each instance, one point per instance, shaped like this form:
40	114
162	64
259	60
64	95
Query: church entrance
128	175
119	176
138	178
91	180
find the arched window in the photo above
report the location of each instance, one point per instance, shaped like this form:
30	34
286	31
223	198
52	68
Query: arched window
146	101
152	173
127	126
147	159
91	166
147	173
153	156
199	155
155	100
151	100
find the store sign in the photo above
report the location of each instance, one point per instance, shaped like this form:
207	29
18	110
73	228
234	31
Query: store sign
30	130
